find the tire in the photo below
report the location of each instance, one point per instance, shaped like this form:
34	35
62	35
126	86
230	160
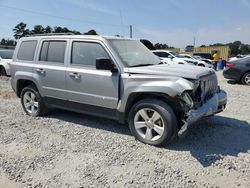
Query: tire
32	102
3	71
246	79
158	126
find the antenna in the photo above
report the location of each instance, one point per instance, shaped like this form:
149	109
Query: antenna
131	31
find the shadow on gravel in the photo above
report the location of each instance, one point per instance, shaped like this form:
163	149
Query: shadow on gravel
213	138
90	121
234	82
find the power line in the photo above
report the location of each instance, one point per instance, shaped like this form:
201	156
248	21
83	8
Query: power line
59	17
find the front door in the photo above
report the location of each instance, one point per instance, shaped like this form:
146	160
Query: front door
84	83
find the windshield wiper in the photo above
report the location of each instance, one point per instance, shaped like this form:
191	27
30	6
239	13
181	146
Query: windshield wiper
141	65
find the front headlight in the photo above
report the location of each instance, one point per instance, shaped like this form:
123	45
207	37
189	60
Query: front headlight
187	99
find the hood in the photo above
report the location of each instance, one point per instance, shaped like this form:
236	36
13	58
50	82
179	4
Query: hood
182	71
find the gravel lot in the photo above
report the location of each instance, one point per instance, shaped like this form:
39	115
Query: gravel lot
73	150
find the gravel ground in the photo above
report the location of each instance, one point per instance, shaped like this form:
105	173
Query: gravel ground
73	150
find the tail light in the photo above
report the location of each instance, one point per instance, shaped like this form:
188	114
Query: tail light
230	65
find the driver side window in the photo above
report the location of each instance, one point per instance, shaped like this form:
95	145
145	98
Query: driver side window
86	53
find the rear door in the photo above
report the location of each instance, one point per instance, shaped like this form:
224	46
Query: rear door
87	85
50	68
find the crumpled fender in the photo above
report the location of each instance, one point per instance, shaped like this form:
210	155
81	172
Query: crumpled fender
171	88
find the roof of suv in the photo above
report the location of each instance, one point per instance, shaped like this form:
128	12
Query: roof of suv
97	37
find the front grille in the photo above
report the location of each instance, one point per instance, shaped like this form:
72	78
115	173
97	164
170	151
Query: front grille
209	85
206	89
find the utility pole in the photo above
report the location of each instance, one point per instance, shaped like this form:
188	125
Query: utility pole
194	41
131	31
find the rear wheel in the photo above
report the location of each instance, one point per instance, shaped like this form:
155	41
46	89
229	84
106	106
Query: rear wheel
32	102
246	78
152	122
3	71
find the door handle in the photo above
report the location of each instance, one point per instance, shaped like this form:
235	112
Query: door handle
41	71
75	75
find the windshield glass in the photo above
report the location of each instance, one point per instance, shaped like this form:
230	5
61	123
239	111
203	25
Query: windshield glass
133	53
6	54
175	54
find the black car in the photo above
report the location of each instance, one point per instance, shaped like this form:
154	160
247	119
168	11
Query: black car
204	55
238	70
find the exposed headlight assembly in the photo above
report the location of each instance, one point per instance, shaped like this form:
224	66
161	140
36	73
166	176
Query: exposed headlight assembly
187	99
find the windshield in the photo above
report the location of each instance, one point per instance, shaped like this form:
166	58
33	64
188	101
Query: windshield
6	54
175	54
133	53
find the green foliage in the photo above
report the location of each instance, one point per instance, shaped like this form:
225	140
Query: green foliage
236	47
148	44
38	29
162	46
91	32
8	42
20	30
48	29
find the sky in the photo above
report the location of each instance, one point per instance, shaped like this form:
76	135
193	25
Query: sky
173	22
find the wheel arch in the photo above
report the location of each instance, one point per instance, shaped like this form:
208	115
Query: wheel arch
22	83
173	102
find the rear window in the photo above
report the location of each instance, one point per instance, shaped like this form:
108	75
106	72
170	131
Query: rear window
27	50
53	51
7	54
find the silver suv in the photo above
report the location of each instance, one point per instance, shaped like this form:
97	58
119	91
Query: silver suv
114	78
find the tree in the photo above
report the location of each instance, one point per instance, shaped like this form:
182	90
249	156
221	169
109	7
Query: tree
3	42
91	32
245	49
48	29
76	32
235	48
8	42
148	44
38	29
20	30
161	46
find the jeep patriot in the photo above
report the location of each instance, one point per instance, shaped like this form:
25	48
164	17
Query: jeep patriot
114	78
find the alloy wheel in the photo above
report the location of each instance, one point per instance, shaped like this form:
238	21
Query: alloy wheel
149	124
30	102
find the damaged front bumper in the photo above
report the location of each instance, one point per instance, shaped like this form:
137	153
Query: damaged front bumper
214	105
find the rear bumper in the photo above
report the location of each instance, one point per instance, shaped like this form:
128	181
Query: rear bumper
232	74
214	105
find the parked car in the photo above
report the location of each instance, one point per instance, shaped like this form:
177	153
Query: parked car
237	57
172	57
115	78
204	55
189	48
238	70
199	62
209	61
5	59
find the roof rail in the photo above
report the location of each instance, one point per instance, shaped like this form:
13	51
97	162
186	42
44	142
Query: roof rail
49	34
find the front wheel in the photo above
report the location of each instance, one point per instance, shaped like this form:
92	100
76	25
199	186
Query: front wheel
152	122
32	102
246	78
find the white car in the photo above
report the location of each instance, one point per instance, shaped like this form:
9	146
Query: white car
200	62
170	57
5	59
237	57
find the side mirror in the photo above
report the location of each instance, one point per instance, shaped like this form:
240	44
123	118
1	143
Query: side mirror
105	64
